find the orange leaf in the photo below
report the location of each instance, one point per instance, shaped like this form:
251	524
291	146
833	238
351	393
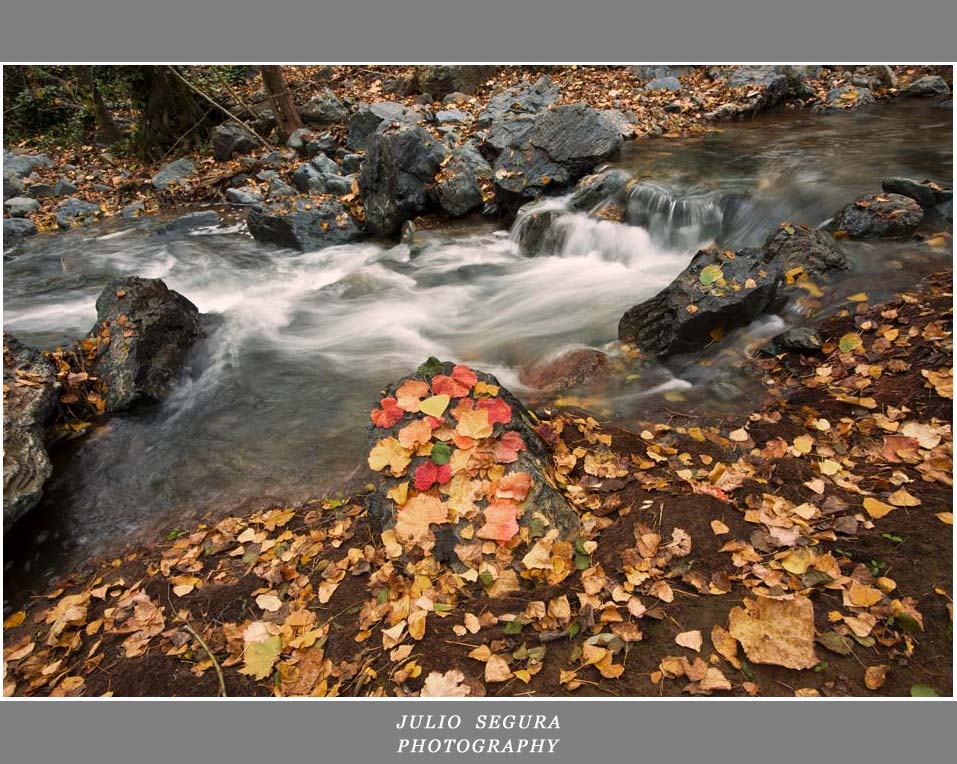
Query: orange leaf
501	521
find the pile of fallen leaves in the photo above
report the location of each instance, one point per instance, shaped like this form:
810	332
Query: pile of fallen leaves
804	549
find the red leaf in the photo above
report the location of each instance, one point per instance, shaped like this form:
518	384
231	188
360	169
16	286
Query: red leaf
429	473
388	415
498	410
507	448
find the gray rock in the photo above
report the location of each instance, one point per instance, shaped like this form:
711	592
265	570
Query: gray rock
369	116
76	212
535	231
351	163
12	185
439	81
457	190
926	193
848	97
16	230
247	195
672	84
796	340
401	162
151	330
303	224
760	88
447	116
523	100
324	109
272	160
192	222
102	187
174	174
323	143
20	206
947	105
878	216
30	394
792	246
624	121
927	86
563	144
134	210
310	180
873	77
64	187
41	190
593	190
651	71
230	139
279	190
542	510
23	165
325	164
454	98
298	140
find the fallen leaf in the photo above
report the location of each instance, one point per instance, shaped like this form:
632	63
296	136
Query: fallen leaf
690	639
779	632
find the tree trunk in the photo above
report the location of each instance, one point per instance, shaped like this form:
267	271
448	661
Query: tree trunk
169	112
95	103
283	107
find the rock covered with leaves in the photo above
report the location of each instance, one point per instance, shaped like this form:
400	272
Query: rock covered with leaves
304	224
878	216
465	479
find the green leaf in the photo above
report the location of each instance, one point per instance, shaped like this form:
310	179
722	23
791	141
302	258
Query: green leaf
513	627
582	561
259	657
382	597
850	341
486	578
431	367
441	453
442	607
710	273
574	629
923	691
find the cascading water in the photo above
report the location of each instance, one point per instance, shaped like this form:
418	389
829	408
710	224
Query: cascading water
679	220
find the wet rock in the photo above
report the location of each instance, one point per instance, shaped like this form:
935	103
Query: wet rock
401	162
570	368
134	210
877	216
145	332
796	340
672	84
174	174
369	116
191	222
303	224
562	144
324	109
64	187
20	206
16	230
76	212
593	190
848	97
790	246
439	81
231	139
709	298
927	86
22	165
521	507
928	194
30	393
535	231
247	195
457	189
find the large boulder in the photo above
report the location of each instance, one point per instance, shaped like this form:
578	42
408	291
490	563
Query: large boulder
231	139
877	216
932	197
21	165
510	114
369	116
324	109
457	188
144	332
303	224
463	476
29	396
439	81
593	190
21	206
562	144
173	175
790	247
927	86
757	89
74	212
401	163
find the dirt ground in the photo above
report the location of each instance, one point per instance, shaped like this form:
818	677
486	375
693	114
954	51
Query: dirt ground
836	492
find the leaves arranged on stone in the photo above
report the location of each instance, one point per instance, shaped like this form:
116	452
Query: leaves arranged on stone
498	410
410	393
435	405
429	474
388	415
389	453
474	424
441	453
415	434
501	521
710	274
413	520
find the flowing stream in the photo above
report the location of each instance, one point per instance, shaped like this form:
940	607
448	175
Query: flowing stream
275	403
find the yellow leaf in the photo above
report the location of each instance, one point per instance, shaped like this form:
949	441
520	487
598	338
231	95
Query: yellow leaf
388	452
474	424
690	639
269	602
413	520
875	508
399	493
875	676
779	632
719	528
901	498
435	406
850	342
947	518
859	297
15	620
497	670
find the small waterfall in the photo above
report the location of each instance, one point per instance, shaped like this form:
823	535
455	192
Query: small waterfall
682	221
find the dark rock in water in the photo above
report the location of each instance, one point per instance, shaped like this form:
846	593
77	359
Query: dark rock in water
401	162
570	368
676	219
369	116
593	190
946	104
798	340
16	230
174	174
30	393
439	81
792	246
304	224
246	195
737	215
21	165
231	139
64	187
324	109
20	206
672	84
75	212
487	477
926	193
145	332
562	144
457	189
192	222
877	216
848	97
927	86
535	230
710	297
